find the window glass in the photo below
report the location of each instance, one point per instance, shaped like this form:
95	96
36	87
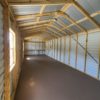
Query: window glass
12	49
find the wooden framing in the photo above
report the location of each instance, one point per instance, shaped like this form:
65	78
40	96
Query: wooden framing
99	65
33	23
85	13
32	27
33	16
55	36
66	6
64	49
65	27
64	33
86	46
54	32
69	49
41	11
76	50
60	49
6	49
72	21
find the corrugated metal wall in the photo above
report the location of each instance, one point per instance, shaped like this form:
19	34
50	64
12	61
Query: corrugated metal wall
34	47
80	51
1	56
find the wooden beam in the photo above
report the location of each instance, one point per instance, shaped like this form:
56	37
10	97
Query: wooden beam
6	51
4	3
85	13
31	34
33	16
33	30
84	19
32	27
99	63
33	23
66	6
64	49
57	34
40	3
64	33
76	58
65	26
41	11
69	51
72	21
86	47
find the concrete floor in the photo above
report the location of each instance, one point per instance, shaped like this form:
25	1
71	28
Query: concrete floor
43	78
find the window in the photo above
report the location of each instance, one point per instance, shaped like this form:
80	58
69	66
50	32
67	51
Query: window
12	49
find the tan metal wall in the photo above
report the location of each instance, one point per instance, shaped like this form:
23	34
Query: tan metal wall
1	56
80	51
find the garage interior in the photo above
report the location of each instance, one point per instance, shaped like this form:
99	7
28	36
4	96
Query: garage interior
50	50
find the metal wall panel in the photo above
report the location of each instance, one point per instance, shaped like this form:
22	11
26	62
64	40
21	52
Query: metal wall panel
24	10
58	49
73	52
74	13
51	8
93	56
34	48
77	59
67	50
81	52
63	50
90	5
1	56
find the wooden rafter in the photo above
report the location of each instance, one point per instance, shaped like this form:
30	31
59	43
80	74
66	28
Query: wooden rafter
31	34
85	13
65	26
54	32
32	16
66	6
41	11
34	23
73	22
39	3
54	35
64	33
32	27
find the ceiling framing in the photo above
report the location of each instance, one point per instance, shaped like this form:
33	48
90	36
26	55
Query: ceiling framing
46	17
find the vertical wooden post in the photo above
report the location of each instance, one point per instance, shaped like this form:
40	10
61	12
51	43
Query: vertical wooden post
99	66
54	48
57	50
86	46
69	49
64	48
6	53
76	50
60	47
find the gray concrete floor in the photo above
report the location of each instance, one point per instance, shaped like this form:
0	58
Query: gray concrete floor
43	78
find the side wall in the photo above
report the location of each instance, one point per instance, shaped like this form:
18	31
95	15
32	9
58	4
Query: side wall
14	75
80	51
